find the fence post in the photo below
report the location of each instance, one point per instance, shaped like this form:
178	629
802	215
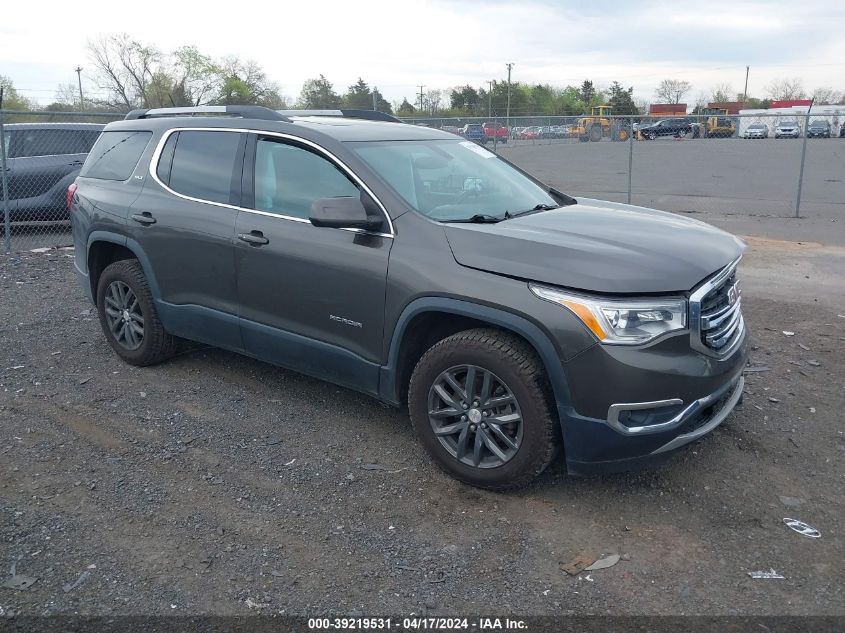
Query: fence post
630	153
803	156
7	220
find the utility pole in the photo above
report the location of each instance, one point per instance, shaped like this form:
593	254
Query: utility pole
375	104
78	70
745	92
490	99
508	113
421	99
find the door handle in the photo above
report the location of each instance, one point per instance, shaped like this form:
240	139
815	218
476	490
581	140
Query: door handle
255	238
143	218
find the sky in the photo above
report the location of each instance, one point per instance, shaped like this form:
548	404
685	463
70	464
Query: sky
397	46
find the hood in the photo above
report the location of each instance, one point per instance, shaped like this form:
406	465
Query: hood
597	246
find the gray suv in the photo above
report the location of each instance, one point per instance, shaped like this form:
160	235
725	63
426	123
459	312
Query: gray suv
417	267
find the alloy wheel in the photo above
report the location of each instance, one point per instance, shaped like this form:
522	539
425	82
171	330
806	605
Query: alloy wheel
475	416
123	315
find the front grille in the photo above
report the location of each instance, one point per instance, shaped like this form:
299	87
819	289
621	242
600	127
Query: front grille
716	313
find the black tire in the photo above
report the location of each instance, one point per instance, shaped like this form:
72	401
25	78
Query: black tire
596	133
516	364
156	344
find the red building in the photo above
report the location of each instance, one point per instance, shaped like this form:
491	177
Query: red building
788	103
732	107
667	109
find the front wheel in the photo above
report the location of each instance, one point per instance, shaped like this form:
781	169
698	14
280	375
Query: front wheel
481	406
128	315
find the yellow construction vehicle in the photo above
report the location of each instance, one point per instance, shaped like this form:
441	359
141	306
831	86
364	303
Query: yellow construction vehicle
719	124
599	125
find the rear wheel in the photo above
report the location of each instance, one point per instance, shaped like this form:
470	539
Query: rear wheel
595	133
128	315
480	405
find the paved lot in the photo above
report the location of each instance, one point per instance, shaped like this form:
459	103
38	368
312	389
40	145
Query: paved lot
217	484
706	176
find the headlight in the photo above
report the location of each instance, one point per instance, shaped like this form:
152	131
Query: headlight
619	321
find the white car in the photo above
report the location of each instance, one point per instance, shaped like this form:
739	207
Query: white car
756	130
788	129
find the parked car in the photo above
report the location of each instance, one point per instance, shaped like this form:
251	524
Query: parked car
756	130
530	133
417	268
451	129
842	131
516	131
495	132
474	132
788	129
42	160
820	128
677	127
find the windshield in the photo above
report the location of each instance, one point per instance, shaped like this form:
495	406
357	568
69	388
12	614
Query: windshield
453	180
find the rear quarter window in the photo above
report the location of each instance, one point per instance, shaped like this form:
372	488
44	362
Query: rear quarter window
115	155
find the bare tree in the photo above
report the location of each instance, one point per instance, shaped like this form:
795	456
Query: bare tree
125	68
826	96
197	77
722	92
786	89
432	101
672	90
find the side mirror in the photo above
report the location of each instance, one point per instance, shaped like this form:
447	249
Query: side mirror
342	213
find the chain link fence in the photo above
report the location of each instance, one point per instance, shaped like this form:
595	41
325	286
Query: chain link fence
41	155
762	164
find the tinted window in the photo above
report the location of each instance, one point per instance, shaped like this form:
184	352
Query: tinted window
48	142
115	155
165	161
288	179
203	164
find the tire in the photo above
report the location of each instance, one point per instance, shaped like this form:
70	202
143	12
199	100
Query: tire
514	369
596	133
154	343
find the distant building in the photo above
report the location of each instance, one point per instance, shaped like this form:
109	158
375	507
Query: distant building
788	103
733	107
667	109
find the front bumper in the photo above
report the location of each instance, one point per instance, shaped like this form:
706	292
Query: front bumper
631	407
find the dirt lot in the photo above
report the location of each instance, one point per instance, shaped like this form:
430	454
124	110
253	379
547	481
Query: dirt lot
217	484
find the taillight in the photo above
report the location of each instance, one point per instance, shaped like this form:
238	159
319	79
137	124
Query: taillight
70	191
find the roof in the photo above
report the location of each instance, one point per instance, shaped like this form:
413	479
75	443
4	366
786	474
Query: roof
788	103
346	129
337	128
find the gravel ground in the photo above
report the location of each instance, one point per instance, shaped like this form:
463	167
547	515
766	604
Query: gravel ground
216	484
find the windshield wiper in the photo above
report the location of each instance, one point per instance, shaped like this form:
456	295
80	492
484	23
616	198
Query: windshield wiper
537	207
480	218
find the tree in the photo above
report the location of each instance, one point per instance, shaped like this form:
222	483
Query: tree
721	93
587	92
318	94
197	77
432	100
246	83
465	98
786	89
672	90
622	100
826	96
11	99
125	68
405	108
359	96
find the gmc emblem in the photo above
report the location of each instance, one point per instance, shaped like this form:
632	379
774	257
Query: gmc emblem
733	295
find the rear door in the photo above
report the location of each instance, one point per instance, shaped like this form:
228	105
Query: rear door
185	223
310	298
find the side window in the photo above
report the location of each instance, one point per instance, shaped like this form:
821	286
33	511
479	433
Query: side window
165	161
289	178
115	155
203	165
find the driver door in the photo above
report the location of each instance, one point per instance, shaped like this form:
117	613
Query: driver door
310	298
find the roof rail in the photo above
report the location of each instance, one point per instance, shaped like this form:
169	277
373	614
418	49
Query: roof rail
371	115
245	111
